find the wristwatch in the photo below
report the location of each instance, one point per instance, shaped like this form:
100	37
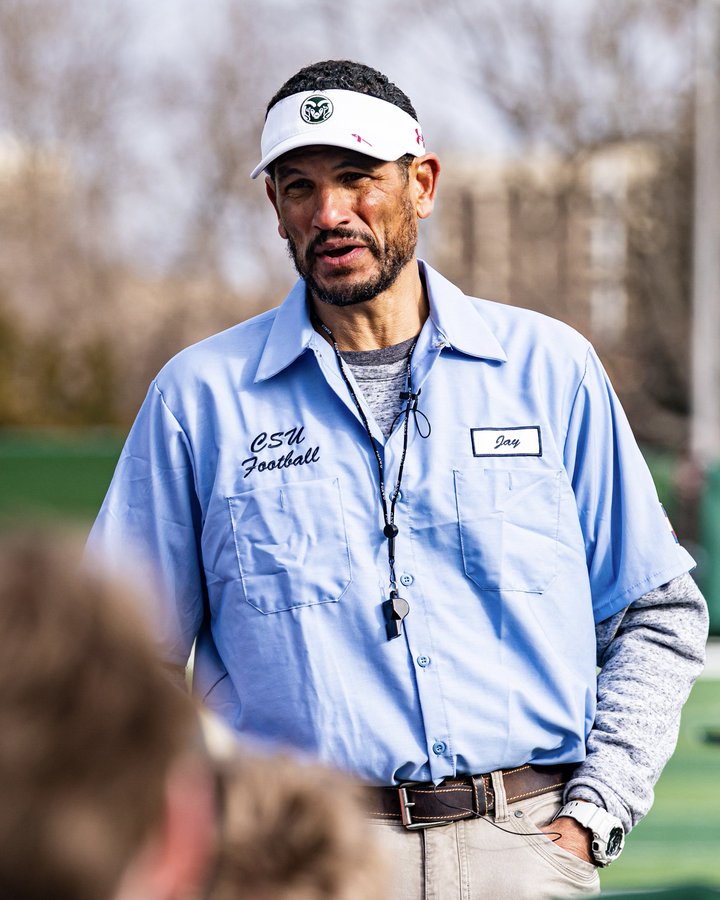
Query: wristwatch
608	834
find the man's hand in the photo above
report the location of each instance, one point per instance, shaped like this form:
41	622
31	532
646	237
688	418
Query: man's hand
573	837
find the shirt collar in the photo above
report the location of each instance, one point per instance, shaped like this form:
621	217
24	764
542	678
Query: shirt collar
290	335
456	319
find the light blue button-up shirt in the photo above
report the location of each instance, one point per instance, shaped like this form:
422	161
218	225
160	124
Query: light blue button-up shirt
526	516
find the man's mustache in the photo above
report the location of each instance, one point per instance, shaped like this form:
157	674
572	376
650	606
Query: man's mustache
366	240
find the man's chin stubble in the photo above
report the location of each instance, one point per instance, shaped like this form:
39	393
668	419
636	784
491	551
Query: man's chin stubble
339	296
351	294
348	296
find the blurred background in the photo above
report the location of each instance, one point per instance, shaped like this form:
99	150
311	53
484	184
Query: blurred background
581	150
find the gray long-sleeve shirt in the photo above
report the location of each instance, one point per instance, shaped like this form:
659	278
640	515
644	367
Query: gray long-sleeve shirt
650	655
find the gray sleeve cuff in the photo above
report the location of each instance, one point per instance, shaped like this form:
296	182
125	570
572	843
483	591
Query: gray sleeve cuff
650	656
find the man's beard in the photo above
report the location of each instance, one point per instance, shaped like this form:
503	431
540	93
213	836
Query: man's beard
398	251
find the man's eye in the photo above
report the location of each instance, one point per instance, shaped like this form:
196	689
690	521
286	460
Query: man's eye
351	177
300	184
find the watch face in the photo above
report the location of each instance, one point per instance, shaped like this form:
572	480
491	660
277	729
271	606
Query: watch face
615	842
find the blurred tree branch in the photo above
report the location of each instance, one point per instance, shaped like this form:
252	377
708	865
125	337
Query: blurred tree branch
570	77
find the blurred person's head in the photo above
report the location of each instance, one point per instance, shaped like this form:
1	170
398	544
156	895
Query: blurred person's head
293	831
100	794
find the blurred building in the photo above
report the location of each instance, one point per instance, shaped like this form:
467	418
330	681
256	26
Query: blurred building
600	241
549	234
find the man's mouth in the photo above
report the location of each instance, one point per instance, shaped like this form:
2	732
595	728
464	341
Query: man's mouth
338	249
337	252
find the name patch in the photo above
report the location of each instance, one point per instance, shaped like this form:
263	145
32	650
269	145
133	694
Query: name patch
511	441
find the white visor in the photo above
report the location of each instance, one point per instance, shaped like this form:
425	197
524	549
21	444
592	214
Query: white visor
339	119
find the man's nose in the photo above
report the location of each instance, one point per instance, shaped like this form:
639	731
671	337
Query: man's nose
332	209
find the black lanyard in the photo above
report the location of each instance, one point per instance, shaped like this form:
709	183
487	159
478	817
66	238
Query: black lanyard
395	608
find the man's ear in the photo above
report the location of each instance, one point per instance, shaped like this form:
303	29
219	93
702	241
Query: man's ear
424	174
272	196
176	858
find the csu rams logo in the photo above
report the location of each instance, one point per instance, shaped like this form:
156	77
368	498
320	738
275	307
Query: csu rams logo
316	109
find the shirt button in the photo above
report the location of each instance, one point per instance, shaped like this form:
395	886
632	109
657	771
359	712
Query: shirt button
406	580
399	495
423	661
439	747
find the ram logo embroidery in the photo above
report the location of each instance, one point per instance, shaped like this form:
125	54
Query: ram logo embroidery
316	109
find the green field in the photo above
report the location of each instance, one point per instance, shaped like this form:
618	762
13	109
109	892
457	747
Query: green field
58	474
679	841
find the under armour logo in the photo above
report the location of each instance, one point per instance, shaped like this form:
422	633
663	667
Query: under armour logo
419	137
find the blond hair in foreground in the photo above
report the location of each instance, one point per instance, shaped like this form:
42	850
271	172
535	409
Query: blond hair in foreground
295	832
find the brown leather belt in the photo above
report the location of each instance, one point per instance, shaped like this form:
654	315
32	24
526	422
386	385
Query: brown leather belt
419	805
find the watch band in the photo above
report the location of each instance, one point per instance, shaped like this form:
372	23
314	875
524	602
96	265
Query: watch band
607	831
582	811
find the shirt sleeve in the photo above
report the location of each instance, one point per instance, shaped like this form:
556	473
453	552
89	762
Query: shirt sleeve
650	655
150	523
629	544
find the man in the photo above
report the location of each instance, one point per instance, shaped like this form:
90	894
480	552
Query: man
401	522
103	795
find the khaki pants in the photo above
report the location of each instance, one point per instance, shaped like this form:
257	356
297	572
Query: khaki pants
500	857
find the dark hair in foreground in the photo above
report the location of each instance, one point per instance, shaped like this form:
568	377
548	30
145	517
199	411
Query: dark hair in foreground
89	726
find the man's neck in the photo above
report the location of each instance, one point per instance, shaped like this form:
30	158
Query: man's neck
388	319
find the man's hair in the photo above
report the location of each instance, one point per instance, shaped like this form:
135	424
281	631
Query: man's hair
295	831
89	725
345	75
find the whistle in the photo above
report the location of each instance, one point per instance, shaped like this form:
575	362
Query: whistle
395	609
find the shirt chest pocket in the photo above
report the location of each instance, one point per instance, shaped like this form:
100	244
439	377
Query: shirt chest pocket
508	520
291	545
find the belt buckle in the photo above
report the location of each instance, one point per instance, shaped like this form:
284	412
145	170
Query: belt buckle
405	815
